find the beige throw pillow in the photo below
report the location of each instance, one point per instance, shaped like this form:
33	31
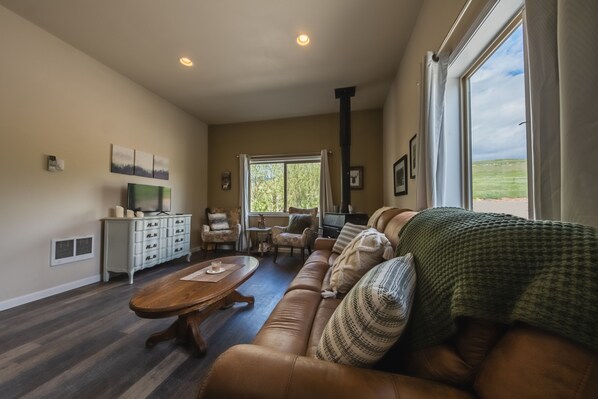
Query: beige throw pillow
366	250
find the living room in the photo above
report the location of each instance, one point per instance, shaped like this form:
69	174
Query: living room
58	100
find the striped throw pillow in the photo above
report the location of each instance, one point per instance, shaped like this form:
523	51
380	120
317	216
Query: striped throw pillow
371	318
218	221
347	234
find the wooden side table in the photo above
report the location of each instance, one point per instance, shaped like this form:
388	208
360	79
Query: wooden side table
262	237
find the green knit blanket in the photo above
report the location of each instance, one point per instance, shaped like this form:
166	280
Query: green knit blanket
501	268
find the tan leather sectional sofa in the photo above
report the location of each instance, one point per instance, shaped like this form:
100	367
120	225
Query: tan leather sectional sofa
484	360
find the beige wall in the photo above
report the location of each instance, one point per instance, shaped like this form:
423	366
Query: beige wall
295	136
402	107
56	100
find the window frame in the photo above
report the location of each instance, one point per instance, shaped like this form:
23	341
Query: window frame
495	16
285	160
465	106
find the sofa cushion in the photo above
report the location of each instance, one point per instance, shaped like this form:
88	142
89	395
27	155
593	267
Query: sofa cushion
218	221
457	361
371	318
347	234
288	326
530	363
323	315
310	276
369	248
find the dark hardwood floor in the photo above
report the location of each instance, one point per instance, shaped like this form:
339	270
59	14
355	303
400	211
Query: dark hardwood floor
87	343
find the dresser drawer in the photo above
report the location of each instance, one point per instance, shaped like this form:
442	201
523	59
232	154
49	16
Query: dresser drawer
179	239
150	258
180	250
145	224
178	221
175	231
151	234
150	245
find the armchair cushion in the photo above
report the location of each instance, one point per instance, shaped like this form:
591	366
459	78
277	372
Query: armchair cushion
220	236
218	221
289	239
371	318
298	223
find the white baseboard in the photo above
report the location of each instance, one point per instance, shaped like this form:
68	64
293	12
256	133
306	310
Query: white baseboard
34	296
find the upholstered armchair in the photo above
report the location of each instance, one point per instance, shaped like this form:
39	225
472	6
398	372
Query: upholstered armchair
300	232
223	228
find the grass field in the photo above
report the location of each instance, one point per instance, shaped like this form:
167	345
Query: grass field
500	178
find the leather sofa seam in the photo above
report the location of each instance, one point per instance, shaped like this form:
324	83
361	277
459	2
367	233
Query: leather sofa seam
396	388
288	387
584	378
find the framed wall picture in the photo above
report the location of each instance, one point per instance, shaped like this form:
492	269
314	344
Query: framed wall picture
144	164
356	177
161	167
412	156
123	160
225	181
400	176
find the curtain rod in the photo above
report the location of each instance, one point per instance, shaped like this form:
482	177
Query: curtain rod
452	30
308	154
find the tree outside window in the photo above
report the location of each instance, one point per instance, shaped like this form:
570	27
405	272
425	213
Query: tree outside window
275	186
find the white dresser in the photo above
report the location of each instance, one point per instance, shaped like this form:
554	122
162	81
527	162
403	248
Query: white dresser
132	244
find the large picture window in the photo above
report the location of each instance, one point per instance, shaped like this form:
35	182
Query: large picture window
277	184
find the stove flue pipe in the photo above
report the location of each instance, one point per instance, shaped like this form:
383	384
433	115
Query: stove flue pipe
345	94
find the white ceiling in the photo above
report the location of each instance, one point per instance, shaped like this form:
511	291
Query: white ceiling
247	63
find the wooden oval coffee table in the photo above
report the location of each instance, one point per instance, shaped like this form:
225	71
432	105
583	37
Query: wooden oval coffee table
192	301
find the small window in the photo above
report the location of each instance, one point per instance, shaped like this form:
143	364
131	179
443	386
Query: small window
275	185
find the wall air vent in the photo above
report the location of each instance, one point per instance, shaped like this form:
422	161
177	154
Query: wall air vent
67	250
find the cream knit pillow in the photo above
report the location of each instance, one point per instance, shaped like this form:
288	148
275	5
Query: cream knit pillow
365	251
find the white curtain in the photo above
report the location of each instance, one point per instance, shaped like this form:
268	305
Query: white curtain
562	37
431	146
244	198
326	202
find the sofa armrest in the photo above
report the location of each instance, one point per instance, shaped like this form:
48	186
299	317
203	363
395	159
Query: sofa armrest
324	243
284	375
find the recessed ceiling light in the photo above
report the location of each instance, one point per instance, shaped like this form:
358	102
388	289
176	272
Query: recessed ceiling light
186	61
303	39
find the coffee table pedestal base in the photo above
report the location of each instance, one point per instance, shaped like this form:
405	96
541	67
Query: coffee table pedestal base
185	329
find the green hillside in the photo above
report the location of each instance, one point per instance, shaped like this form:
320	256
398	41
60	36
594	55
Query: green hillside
499	178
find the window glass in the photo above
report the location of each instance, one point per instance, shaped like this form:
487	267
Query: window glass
303	180
267	187
498	134
275	186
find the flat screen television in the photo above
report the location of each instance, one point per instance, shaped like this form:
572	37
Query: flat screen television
146	198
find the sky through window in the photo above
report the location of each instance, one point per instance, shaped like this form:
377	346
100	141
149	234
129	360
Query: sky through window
497	92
